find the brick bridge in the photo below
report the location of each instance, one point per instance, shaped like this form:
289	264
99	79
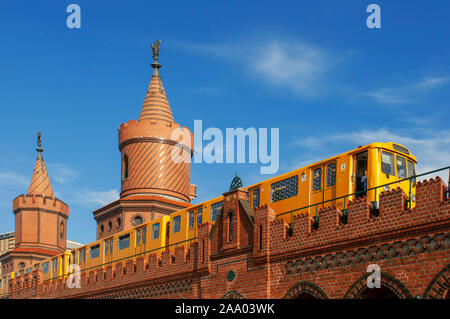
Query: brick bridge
263	259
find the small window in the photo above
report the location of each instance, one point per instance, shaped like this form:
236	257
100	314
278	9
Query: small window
109	226
191	219
199	216
29	270
144	235
21	272
331	175
317	179
36	267
176	224
138	237
401	149
125	167
21	265
387	163
230	226
155	231
255	198
284	189
118	223
95	251
137	221
412	171
61	230
123	242
215	210
106	247
401	167
55	265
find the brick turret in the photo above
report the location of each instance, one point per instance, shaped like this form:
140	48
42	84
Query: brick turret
41	221
155	173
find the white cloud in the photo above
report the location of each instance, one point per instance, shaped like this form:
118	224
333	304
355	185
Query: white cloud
432	149
13	179
92	199
61	173
407	93
289	63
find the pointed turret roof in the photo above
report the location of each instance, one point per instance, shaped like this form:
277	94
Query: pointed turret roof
40	182
156	106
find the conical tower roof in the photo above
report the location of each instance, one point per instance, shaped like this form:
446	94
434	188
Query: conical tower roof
156	106
40	182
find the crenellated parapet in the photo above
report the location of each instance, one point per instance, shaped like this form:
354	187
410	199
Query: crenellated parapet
30	202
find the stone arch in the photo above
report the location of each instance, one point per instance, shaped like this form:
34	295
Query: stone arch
439	287
232	294
306	290
391	287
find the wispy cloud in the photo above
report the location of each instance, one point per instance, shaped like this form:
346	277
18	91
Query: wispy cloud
90	199
290	63
12	179
407	93
61	173
432	149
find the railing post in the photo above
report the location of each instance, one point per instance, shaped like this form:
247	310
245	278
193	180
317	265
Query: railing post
344	212
409	199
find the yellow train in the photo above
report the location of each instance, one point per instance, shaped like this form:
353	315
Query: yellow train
333	181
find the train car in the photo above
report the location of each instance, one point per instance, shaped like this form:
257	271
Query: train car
335	177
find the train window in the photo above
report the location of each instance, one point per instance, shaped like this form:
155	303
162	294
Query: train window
199	216
29	270
95	251
138	237
106	247
111	245
36	267
155	231
401	167
144	234
123	242
216	208
401	149
84	254
255	198
191	219
55	264
331	175
21	273
317	179
387	163
176	224
284	189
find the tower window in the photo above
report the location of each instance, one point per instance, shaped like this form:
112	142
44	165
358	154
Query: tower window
137	220
61	230
125	167
230	226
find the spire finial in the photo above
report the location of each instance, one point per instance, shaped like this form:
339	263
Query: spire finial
155	49
39	143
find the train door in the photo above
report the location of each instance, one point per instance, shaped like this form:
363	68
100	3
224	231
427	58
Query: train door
360	173
167	240
330	183
141	240
108	250
317	188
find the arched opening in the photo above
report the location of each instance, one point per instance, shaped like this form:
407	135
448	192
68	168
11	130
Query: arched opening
305	296
379	293
439	287
306	290
233	294
125	166
390	288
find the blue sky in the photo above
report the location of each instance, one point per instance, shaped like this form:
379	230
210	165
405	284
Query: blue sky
310	68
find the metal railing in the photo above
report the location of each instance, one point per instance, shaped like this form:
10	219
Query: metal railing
411	179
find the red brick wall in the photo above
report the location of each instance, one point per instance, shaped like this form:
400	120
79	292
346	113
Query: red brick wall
412	249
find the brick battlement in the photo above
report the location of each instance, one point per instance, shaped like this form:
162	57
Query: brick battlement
409	245
40	202
150	129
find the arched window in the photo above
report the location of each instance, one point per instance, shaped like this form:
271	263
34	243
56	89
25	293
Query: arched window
61	230
125	166
230	226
